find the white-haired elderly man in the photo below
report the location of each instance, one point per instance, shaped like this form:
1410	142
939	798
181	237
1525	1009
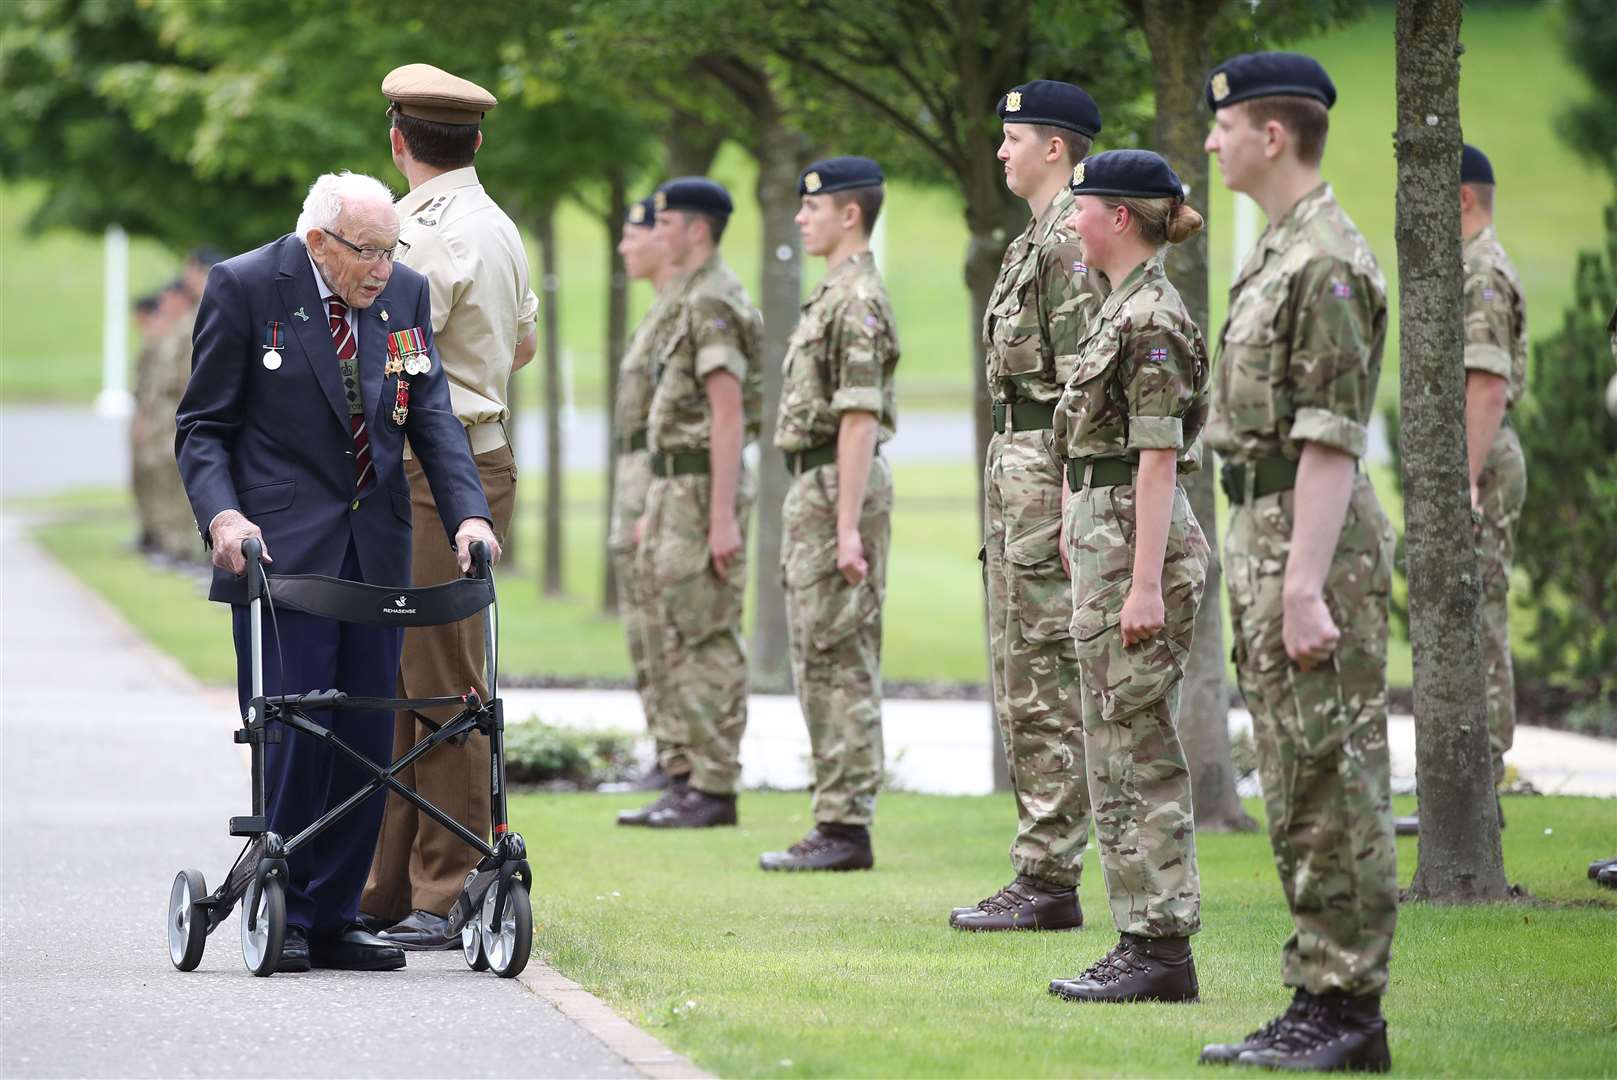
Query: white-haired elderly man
313	360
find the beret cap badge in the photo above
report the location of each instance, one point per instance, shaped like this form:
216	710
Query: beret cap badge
1013	101
1221	86
637	214
811	182
662	200
1078	173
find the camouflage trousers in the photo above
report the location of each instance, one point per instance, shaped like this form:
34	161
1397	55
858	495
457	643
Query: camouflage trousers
836	638
696	658
1322	742
1029	648
1501	491
1139	781
631	479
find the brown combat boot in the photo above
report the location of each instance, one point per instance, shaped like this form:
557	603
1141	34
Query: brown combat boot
1025	904
1335	1033
1137	969
828	846
695	809
1261	1039
671	795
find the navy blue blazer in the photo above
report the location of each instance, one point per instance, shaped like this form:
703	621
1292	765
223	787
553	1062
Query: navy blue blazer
276	445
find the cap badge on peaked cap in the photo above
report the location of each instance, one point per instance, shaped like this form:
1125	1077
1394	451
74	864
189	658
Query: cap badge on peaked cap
1013	101
811	182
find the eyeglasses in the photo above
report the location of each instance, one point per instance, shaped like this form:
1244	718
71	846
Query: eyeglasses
371	254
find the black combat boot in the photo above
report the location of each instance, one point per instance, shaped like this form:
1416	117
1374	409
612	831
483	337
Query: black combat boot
695	809
653	779
1025	904
1227	1053
1599	865
994	896
828	846
1137	969
671	795
1336	1033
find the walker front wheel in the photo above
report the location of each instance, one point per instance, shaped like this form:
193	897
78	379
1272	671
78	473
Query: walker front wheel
261	944
187	927
507	933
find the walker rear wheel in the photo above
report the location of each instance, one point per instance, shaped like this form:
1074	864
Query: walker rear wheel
261	945
187	927
507	934
471	945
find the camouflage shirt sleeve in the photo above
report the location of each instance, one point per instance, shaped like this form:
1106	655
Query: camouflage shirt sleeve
860	342
716	333
1160	366
1331	353
1488	312
1070	293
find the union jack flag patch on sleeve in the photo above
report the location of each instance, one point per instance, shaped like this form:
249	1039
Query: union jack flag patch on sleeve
1157	356
1079	268
1341	290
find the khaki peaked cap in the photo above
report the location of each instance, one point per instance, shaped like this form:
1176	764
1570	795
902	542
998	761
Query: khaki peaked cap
429	93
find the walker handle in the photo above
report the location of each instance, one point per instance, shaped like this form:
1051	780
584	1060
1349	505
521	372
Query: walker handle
252	550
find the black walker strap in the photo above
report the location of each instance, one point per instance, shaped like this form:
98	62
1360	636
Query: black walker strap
356	602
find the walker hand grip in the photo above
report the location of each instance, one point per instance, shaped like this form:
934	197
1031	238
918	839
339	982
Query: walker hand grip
480	563
252	551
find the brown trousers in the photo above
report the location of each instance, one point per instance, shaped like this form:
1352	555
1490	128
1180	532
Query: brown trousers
419	864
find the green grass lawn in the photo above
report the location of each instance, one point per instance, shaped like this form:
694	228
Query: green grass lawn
1515	81
858	975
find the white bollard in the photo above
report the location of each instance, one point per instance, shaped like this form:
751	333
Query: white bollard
114	400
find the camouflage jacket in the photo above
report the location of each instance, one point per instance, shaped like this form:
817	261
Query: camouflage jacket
712	327
1040	309
1495	314
1142	377
1301	349
841	357
637	371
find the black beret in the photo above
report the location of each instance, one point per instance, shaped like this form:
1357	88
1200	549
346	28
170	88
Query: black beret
695	193
643	212
1268	74
1059	104
1474	166
1132	174
839	174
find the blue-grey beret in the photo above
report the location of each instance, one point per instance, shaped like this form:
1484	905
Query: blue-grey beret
1269	74
1474	166
643	212
1131	174
839	174
1058	104
694	193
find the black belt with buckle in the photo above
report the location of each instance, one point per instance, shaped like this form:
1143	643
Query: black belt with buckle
1098	472
1264	475
1023	415
801	461
681	463
635	440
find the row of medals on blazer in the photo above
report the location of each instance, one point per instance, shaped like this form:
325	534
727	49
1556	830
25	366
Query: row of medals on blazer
407	355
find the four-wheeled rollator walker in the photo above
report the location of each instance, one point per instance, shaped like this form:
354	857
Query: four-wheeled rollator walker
493	914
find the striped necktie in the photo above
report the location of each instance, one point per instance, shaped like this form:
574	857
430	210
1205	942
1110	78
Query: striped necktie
342	336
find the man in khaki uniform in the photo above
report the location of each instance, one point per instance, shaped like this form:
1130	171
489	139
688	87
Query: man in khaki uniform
1495	380
162	370
1308	561
836	408
1037	315
483	315
644	259
692	539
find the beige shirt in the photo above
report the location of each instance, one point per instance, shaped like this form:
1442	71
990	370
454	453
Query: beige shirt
477	268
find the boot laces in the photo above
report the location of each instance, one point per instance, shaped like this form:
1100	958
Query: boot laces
1265	1035
813	843
1122	961
1003	901
1307	1028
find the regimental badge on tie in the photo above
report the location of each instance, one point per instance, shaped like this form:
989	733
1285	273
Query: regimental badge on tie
274	342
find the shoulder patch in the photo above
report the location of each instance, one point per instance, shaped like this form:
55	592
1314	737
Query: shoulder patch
1079	268
1341	290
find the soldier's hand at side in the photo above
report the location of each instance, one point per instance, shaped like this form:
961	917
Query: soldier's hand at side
475	528
1308	630
851	557
1143	614
723	542
228	531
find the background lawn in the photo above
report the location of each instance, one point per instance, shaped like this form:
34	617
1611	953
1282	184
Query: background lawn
859	975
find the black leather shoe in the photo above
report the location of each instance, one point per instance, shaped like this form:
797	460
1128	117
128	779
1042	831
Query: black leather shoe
677	786
375	923
695	809
826	847
355	949
294	952
1261	1039
1025	904
1137	969
420	931
1335	1033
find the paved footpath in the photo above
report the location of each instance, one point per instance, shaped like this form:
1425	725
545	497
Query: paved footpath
117	771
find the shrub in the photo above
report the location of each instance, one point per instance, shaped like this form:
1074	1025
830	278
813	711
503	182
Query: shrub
539	753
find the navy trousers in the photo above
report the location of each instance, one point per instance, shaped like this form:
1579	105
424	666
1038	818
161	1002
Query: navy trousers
303	777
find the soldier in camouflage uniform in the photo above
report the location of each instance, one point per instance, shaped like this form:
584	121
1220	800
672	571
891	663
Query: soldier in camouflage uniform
1495	380
163	368
1037	314
692	541
644	259
836	408
1129	422
1308	560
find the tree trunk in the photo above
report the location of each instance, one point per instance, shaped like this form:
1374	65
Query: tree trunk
1180	55
545	233
690	144
1459	858
617	321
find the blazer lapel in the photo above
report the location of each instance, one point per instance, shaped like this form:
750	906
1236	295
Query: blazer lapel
295	280
372	357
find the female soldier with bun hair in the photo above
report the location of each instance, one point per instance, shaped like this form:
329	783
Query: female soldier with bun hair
1129	423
